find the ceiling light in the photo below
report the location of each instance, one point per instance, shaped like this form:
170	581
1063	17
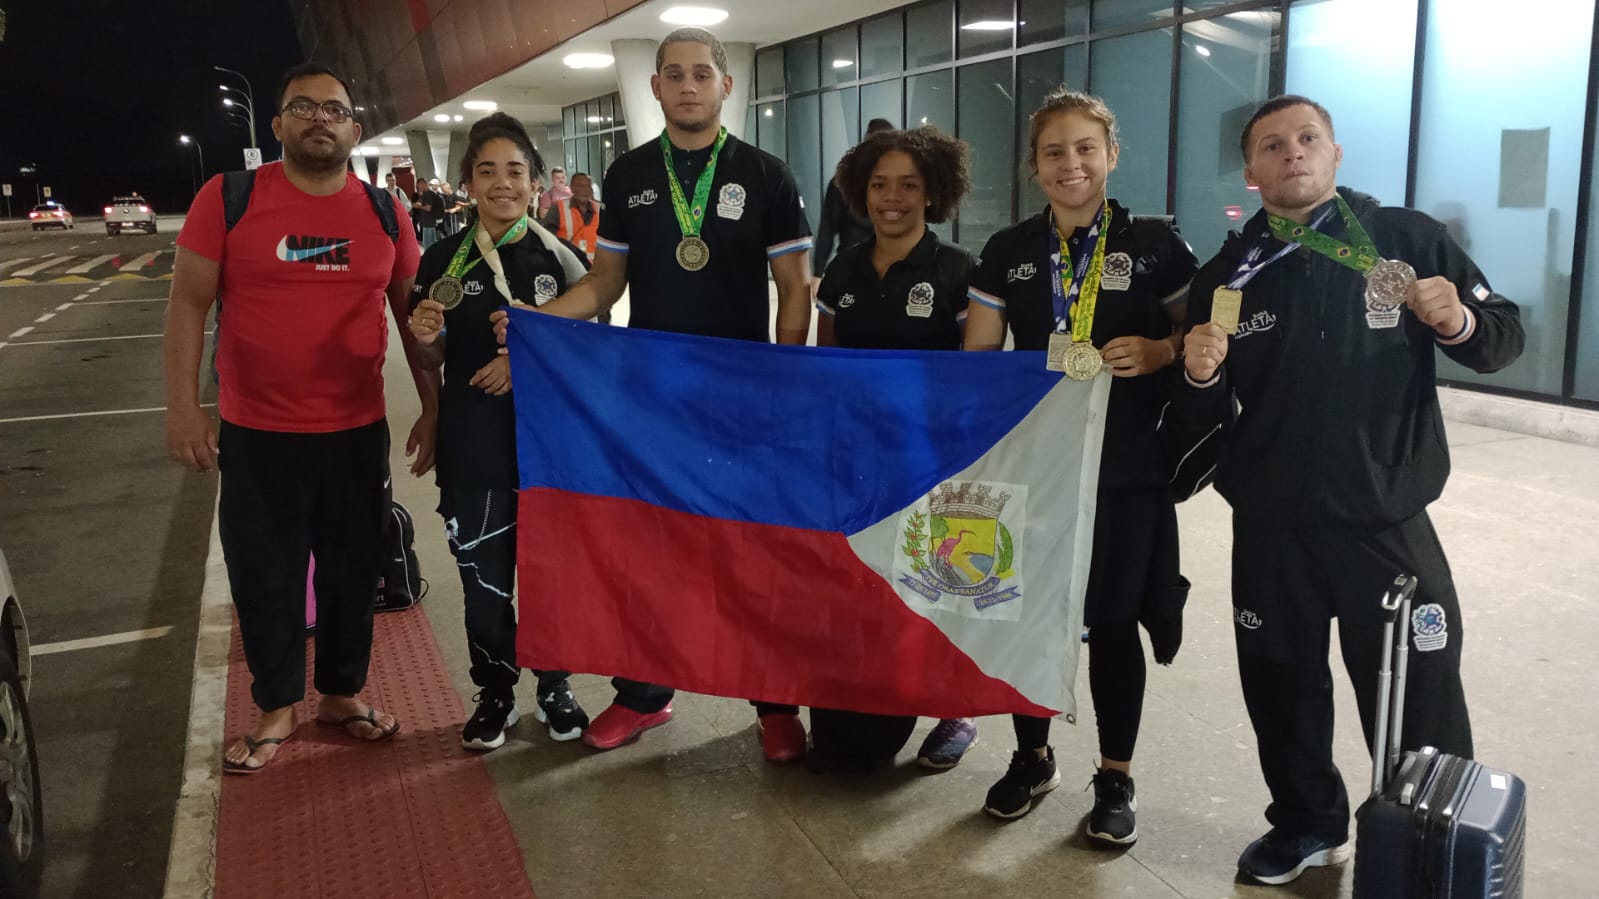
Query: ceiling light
226	102
460	118
441	117
1202	50
989	25
370	151
394	141
843	63
768	112
481	105
588	60
702	16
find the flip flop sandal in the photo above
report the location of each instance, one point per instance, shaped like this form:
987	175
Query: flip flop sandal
370	719
244	767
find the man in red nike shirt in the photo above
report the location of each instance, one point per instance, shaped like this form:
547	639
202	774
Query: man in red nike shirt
303	446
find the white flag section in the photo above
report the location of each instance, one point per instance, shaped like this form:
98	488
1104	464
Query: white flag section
997	556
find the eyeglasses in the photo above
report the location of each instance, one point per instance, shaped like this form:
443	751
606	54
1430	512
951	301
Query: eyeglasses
333	110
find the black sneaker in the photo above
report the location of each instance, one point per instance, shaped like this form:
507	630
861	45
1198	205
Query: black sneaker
1028	778
1112	819
1280	856
495	713
558	708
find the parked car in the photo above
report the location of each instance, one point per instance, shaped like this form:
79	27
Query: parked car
21	809
50	214
129	212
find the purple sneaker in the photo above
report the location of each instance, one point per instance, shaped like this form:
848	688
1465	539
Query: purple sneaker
948	742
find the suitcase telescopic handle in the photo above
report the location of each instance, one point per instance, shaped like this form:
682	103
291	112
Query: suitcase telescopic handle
1391	680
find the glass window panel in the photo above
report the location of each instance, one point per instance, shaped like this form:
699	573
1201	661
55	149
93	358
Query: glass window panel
1513	210
772	130
1363	75
883	46
840	56
800	64
883	100
769	72
749	123
596	160
621	117
987	124
609	151
568	122
984	26
1132	74
1225	76
1036	75
841	126
930	100
1118	13
928	31
804	154
1050	20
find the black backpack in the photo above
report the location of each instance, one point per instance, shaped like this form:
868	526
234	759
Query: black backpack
855	742
401	585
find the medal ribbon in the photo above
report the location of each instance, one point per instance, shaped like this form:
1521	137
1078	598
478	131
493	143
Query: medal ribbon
458	264
690	219
1359	253
1077	294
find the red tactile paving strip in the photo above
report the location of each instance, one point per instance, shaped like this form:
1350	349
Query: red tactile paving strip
333	818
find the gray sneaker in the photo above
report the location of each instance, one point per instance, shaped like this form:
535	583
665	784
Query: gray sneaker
944	747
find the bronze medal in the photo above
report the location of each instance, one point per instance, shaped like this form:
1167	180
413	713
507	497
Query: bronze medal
693	254
447	292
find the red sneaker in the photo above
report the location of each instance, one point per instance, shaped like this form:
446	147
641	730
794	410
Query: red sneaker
782	736
620	724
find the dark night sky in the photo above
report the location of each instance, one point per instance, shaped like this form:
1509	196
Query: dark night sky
96	93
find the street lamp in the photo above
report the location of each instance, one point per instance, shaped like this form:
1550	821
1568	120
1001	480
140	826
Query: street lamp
244	105
249	96
186	140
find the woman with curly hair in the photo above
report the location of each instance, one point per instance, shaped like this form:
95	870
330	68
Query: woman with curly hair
903	287
1085	273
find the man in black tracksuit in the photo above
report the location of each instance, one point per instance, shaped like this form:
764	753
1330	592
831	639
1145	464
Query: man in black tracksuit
1331	446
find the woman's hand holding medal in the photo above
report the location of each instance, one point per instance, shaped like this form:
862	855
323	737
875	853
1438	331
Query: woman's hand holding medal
426	321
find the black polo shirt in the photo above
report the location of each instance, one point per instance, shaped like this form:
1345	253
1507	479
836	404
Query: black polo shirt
754	214
477	433
1147	268
918	304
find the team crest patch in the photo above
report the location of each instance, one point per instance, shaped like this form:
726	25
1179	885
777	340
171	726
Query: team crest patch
846	301
919	304
730	203
1118	272
544	288
962	549
1430	626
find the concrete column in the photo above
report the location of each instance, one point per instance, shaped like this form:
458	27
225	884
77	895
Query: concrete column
421	156
635	63
458	141
741	65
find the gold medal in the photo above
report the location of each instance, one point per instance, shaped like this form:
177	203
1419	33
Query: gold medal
1225	305
1083	361
693	254
447	292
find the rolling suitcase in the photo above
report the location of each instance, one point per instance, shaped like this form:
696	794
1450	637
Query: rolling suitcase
1436	826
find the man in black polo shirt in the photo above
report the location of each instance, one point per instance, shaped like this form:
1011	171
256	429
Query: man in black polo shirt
693	222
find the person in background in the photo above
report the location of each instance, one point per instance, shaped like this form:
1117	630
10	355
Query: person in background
557	192
837	222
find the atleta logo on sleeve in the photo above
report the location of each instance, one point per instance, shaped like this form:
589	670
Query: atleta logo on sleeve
328	254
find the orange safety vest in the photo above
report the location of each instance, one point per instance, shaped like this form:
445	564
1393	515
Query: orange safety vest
571	227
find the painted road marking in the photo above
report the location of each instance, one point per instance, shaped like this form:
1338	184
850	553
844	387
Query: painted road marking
117	302
44	318
44	649
64	307
41	266
83	339
142	261
96	261
20	331
6	421
6	265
